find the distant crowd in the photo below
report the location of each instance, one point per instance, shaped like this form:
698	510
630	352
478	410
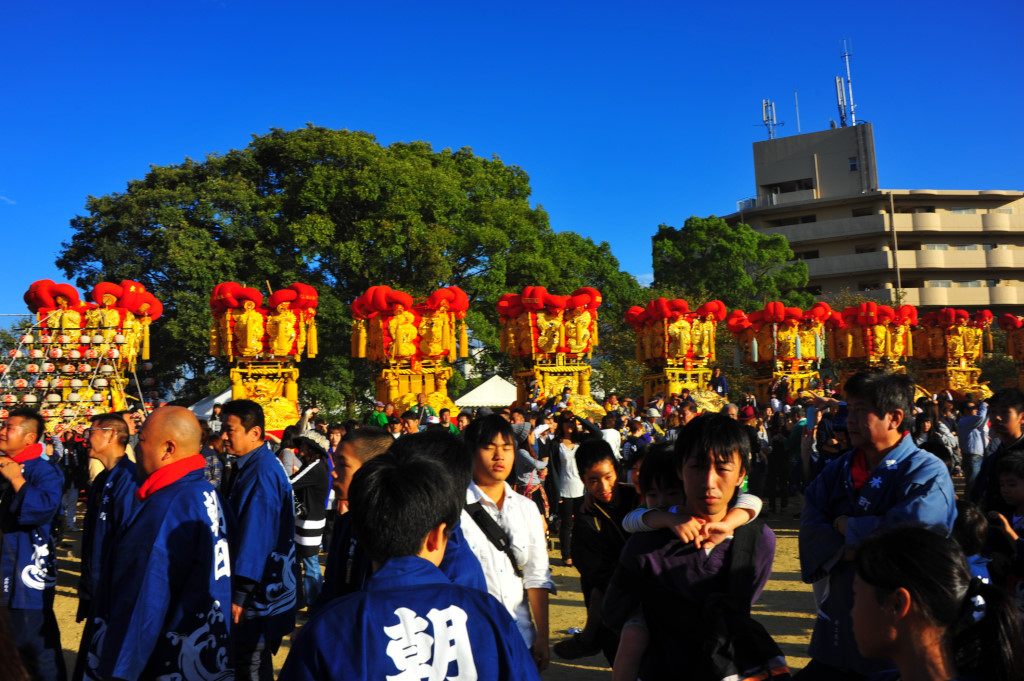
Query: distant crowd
416	545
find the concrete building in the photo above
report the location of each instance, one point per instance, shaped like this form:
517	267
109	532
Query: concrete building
943	248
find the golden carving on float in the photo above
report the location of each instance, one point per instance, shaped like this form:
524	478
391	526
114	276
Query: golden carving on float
948	344
551	338
265	343
412	345
678	347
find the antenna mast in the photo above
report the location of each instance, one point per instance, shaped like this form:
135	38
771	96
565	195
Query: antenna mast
796	100
841	100
849	83
768	117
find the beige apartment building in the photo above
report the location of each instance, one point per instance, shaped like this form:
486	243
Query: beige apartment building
943	248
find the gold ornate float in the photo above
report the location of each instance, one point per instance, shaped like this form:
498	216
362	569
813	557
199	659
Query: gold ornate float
265	344
550	338
412	345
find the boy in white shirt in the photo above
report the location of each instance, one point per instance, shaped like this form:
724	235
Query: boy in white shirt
517	571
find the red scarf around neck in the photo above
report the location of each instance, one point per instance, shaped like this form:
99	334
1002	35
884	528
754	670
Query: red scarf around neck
31	452
170	474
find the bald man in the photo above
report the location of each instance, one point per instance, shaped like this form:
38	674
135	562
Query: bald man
30	495
163	609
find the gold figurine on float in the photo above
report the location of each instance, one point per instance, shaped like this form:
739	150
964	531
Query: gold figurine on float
265	343
678	348
551	337
412	345
948	345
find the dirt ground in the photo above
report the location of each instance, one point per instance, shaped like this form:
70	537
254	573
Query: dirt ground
786	607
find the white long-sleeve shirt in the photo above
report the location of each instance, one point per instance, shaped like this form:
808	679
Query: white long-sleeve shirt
521	521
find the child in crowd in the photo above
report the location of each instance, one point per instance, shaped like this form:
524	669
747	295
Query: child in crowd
505	532
678	582
663	495
411	621
1010	474
916	603
969	531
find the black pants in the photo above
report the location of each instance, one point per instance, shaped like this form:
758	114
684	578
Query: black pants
776	483
567	510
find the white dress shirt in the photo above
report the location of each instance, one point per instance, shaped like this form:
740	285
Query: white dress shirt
521	521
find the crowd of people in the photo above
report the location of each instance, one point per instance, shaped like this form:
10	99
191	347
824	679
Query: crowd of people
416	546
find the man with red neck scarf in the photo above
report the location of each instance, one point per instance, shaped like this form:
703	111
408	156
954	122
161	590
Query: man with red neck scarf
164	607
30	494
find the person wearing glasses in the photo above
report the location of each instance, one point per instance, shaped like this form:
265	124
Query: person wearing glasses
110	500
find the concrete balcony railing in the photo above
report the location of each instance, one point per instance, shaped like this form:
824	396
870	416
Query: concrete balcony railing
830	229
967	298
957	222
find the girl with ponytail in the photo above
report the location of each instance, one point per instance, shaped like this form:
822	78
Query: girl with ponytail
916	603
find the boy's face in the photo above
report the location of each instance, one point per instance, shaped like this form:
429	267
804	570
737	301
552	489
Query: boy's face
601	481
658	497
1007	422
710	485
346	463
1011	488
492	463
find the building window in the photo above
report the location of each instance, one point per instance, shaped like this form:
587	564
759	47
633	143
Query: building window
1008	211
912	283
806	255
867	286
909	246
936	247
865	249
991	282
989	247
853	163
785	222
940	283
966	247
924	209
962	210
969	284
862	212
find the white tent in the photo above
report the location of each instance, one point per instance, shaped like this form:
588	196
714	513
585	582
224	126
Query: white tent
203	409
494	392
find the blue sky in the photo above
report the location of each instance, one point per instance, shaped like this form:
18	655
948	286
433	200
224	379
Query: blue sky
624	115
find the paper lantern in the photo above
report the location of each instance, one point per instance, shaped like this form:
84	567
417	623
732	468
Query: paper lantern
29	398
28	338
74	397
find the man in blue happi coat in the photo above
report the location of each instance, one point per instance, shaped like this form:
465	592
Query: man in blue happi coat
411	622
30	494
162	608
263	594
884	481
111	500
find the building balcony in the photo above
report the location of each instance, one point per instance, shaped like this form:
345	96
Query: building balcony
956	222
880	261
966	298
829	229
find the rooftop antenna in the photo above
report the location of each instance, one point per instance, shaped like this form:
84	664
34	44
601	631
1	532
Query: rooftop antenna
849	83
768	117
796	100
841	100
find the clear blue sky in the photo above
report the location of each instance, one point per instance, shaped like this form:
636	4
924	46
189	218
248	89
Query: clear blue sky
624	115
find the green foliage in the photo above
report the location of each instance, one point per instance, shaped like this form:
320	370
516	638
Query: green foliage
336	210
708	259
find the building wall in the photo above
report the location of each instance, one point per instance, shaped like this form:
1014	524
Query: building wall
951	248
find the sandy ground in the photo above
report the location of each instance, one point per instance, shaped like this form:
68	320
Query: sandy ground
786	607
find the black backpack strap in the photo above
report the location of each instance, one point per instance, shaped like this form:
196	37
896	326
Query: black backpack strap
745	542
493	532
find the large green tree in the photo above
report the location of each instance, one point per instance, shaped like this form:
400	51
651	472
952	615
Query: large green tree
708	258
339	211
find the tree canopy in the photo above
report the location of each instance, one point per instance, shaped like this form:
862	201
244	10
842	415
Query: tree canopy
737	265
337	210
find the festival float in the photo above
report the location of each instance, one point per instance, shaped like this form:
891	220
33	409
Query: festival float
550	338
1014	328
411	345
781	342
74	361
265	344
677	347
948	344
870	337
